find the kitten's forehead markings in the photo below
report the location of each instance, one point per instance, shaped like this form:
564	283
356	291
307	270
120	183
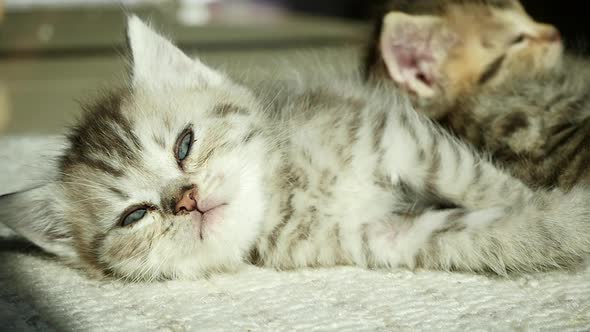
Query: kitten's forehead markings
117	192
95	164
125	143
113	164
122	131
104	140
225	109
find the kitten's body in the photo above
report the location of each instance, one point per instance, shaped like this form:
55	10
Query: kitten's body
321	172
367	190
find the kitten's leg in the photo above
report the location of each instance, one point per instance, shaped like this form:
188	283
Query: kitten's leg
401	240
428	159
540	229
542	235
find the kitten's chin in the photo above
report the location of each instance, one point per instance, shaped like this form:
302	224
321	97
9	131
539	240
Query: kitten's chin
205	220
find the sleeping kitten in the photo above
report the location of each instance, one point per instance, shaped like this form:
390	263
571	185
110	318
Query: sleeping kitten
189	172
442	50
515	95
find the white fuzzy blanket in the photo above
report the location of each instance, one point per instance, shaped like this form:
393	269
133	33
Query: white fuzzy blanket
36	293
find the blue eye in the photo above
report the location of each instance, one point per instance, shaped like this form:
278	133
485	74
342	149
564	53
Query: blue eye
134	216
183	145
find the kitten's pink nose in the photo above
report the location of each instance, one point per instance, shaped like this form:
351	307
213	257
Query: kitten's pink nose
550	34
553	36
187	202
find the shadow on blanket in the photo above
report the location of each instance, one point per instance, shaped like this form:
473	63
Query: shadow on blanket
19	295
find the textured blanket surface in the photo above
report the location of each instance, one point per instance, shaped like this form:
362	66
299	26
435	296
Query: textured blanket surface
37	293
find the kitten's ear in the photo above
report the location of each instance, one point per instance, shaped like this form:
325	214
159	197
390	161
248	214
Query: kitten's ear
158	63
37	215
414	48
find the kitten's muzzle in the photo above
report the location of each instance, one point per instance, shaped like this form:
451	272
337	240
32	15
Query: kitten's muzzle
189	202
548	34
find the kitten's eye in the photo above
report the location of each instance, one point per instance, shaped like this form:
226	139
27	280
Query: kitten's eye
518	39
184	144
133	216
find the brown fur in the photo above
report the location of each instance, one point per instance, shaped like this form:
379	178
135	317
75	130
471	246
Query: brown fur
484	31
532	116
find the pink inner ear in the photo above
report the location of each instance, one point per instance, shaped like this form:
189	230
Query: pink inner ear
414	63
414	51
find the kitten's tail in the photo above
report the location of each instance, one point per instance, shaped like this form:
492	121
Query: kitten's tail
549	231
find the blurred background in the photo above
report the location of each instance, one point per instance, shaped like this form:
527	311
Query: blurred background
55	53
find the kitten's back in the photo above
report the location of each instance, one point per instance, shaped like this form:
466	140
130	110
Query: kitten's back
537	125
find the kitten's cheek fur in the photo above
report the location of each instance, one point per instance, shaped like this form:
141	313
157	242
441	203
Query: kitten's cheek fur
240	187
554	55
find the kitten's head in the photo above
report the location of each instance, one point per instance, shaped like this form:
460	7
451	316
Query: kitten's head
163	180
442	50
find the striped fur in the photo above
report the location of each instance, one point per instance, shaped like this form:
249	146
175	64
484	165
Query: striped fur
533	116
538	125
319	171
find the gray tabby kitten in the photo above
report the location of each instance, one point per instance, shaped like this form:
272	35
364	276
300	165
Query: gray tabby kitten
189	173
